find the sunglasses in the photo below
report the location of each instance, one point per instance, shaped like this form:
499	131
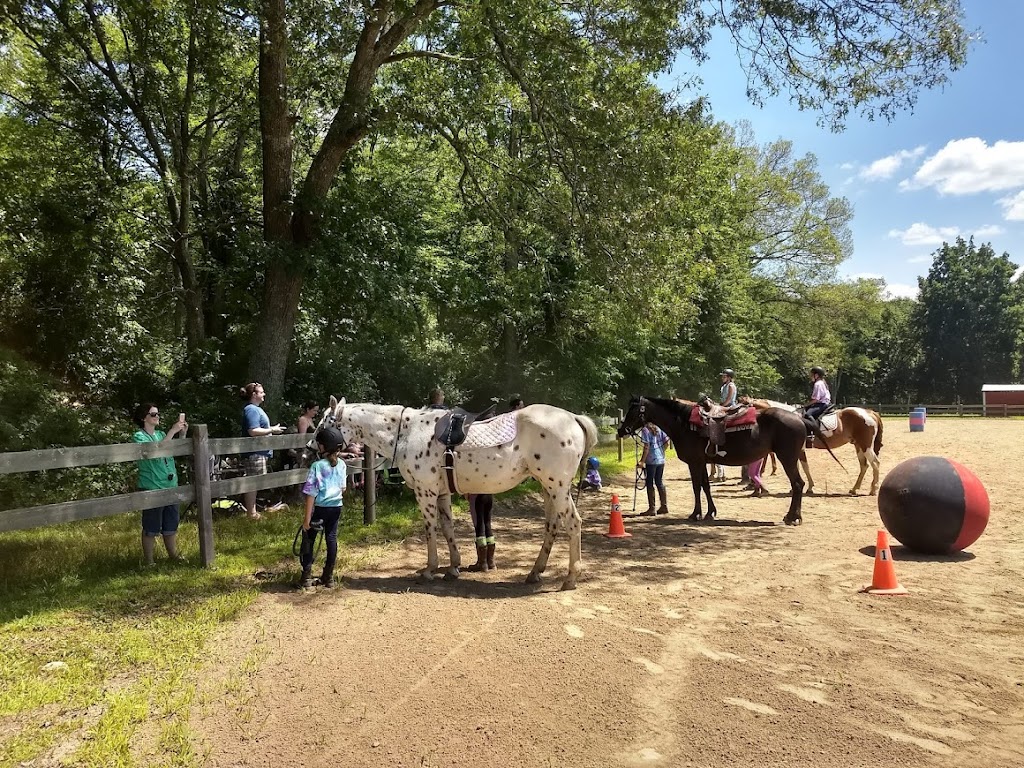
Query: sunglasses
153	415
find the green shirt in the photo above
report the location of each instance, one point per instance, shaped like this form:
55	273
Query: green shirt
155	473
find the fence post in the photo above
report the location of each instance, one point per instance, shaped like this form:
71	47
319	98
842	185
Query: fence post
203	497
369	487
959	408
619	440
1005	412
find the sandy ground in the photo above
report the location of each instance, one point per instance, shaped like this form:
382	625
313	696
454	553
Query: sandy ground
744	642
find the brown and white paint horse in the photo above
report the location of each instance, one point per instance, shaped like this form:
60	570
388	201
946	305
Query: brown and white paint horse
543	442
860	426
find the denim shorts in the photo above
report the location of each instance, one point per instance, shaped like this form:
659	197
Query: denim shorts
160	520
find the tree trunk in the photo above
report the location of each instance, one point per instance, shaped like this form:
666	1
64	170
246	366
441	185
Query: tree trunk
282	286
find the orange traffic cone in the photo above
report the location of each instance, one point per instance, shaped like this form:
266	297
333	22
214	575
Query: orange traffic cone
883	580
616	530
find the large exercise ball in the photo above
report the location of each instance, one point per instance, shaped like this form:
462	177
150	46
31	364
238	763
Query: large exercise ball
933	505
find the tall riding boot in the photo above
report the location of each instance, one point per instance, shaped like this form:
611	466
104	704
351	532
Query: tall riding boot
650	501
481	557
663	496
490	557
306	579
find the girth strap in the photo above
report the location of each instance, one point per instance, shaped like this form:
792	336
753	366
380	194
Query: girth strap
449	469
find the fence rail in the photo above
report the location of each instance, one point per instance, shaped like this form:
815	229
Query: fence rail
946	409
202	490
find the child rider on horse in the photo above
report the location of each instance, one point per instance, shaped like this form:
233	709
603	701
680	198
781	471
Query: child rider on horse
820	400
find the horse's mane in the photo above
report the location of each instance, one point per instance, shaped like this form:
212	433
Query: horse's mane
678	408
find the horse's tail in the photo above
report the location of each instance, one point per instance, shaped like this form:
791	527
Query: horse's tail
878	434
590	433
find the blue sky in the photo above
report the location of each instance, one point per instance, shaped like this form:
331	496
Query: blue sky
955	166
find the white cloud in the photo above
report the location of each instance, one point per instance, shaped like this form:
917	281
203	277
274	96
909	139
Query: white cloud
920	233
967	166
900	291
924	234
1013	207
885	167
1016	275
866	276
847	167
919	259
990	230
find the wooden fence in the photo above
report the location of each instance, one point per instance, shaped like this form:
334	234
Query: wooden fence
202	490
955	409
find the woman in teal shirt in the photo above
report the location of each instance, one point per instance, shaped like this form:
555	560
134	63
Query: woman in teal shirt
156	474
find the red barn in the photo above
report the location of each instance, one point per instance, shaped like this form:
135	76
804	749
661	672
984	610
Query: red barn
995	396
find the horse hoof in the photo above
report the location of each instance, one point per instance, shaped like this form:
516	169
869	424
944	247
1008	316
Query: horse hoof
451	574
567	585
853	491
792	520
696	517
533	578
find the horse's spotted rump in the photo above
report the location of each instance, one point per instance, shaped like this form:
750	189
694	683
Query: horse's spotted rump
543	436
536	456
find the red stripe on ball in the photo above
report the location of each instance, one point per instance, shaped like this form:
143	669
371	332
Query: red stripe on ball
976	508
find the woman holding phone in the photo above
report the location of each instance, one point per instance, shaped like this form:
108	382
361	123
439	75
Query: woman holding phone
156	474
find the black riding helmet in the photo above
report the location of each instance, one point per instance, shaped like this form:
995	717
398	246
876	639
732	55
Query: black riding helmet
818	370
728	372
330	438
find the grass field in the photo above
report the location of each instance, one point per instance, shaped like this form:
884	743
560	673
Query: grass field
132	637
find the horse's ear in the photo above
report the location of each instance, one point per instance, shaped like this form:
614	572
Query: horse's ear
334	402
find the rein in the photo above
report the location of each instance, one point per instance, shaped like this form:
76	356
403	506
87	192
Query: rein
394	457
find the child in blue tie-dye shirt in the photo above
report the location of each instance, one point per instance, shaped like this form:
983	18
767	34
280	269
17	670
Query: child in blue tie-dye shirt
323	490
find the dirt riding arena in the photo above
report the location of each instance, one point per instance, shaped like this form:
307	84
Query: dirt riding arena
738	643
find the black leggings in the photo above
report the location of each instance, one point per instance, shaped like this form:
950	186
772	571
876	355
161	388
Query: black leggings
330	517
483	503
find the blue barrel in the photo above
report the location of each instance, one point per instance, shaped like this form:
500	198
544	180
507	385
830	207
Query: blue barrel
918	416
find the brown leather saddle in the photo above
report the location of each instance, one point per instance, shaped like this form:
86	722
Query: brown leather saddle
714	422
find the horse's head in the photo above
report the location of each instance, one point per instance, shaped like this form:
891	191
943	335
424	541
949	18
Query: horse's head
330	418
634	419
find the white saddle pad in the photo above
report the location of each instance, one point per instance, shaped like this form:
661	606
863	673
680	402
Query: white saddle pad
829	422
487	434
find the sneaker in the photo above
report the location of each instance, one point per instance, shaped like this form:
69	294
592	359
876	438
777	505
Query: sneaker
327	583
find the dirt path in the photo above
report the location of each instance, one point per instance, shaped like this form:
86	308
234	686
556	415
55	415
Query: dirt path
740	643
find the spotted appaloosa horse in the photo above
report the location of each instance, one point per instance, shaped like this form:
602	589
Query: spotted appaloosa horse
539	441
860	426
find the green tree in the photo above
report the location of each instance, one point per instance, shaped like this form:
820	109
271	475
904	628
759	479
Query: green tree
969	321
834	56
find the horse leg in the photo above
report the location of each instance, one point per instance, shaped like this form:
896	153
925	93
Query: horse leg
875	462
796	483
428	506
444	511
698	478
551	521
574	526
712	509
863	460
807	471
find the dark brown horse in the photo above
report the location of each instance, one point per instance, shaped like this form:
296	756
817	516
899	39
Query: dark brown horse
776	431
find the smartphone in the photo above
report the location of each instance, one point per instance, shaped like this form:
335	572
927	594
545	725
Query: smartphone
181	418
